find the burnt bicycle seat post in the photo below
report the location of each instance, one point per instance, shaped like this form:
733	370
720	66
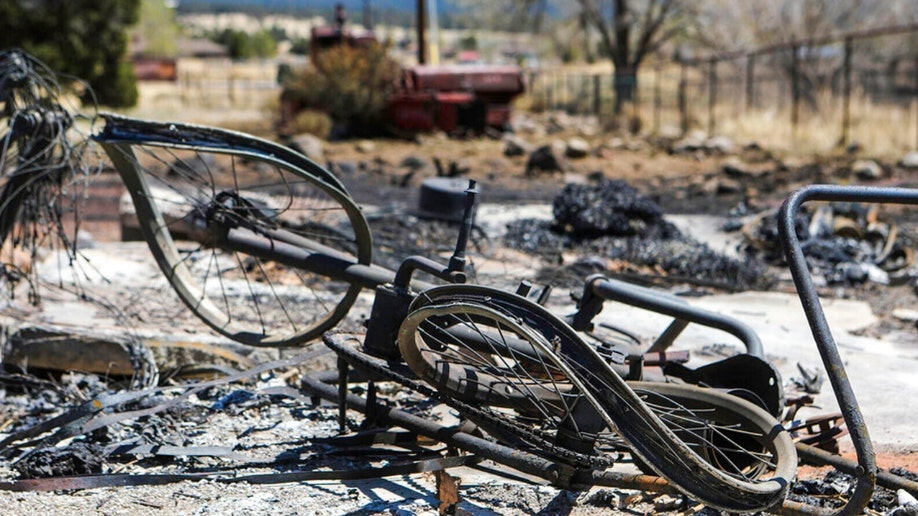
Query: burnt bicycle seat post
457	261
390	305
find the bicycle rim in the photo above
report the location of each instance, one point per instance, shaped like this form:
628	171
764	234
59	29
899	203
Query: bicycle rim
672	432
188	196
510	372
736	436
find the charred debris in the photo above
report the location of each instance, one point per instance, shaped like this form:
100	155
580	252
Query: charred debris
613	229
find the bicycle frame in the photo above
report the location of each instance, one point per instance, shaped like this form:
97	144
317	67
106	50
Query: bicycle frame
866	469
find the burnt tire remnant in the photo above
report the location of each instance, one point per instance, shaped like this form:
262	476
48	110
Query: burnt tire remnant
610	220
608	208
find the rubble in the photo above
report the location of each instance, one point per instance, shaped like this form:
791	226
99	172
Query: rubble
611	221
910	160
309	145
845	244
547	158
35	347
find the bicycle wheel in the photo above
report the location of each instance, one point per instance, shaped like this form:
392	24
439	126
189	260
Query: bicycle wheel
234	221
510	369
735	457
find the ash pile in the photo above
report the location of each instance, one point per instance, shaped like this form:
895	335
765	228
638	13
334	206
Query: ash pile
608	227
845	244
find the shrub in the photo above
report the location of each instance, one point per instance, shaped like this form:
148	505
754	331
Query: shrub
309	121
351	85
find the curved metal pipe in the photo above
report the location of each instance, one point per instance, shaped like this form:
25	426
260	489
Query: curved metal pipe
648	299
866	469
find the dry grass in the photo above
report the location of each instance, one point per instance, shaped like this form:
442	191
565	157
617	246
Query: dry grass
884	130
881	130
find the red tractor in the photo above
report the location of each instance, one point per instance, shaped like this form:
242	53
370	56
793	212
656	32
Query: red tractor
455	98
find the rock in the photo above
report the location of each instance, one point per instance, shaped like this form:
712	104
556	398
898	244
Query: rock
455	168
669	132
666	503
544	159
515	146
719	144
693	141
910	160
576	148
308	145
85	240
365	146
755	153
867	169
58	350
525	125
728	186
414	162
909	315
345	167
908	505
736	168
705	186
635	145
615	143
588	127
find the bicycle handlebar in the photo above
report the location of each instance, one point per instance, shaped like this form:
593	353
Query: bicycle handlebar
599	288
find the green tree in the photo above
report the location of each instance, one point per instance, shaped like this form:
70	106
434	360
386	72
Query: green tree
242	45
83	38
157	31
263	44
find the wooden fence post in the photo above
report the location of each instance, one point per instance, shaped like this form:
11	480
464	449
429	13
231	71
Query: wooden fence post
597	100
795	89
683	101
657	97
846	93
750	81
712	95
916	101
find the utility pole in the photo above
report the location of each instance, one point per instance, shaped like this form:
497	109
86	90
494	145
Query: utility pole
367	16
422	35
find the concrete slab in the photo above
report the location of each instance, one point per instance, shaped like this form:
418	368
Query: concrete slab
881	371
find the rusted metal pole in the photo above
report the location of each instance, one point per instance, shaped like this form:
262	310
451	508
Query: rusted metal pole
846	92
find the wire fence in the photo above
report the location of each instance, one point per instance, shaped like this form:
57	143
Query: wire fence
815	94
